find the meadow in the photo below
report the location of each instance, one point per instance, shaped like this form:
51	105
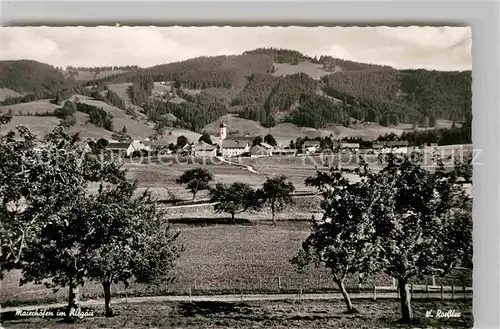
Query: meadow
221	257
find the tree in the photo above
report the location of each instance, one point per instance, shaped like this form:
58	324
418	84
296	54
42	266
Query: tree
234	199
196	179
108	237
102	143
51	185
205	138
432	121
134	240
124	130
343	240
182	141
257	140
277	192
269	139
292	144
420	218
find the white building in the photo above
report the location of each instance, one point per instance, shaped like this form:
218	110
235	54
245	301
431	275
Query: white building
202	149
140	145
121	148
234	146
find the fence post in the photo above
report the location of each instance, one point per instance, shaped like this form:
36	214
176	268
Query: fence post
374	292
465	293
190	297
452	292
241	291
393	282
426	291
442	292
195	286
433	280
300	295
411	290
279	283
260	283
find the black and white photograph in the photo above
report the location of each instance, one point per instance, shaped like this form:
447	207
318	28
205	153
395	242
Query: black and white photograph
236	177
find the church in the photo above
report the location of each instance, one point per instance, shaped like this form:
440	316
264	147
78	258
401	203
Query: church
233	145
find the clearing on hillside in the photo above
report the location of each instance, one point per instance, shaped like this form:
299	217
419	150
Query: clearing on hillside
136	128
6	92
30	108
91	75
121	90
237	126
315	71
41	125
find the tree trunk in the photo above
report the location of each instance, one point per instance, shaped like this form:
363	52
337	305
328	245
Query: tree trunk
405	298
272	211
194	195
107	298
347	299
232	218
73	300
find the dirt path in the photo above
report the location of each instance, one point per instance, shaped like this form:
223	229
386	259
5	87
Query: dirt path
250	297
248	167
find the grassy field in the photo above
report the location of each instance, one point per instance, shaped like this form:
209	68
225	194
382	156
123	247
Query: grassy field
6	92
30	108
288	314
284	132
224	259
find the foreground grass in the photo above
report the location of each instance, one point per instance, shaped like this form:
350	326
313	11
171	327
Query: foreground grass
308	314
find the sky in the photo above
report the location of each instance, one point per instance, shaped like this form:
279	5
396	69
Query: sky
433	48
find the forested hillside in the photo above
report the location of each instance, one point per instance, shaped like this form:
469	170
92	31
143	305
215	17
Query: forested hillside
200	90
31	77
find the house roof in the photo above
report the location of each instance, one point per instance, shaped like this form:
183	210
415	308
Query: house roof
118	146
311	143
202	146
237	144
265	145
392	143
347	145
241	138
257	149
285	150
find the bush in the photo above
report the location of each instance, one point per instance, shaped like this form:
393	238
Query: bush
68	121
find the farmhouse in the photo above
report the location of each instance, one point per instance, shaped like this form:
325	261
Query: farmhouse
202	149
262	149
142	145
311	146
349	146
285	151
391	146
185	150
121	148
85	146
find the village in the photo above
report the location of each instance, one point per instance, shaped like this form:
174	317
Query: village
231	146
